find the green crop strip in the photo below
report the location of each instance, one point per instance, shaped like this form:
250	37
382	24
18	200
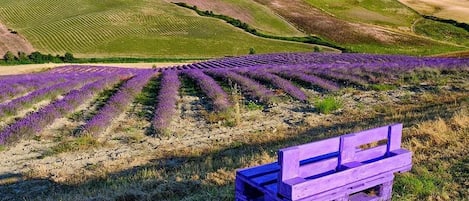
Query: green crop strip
246	27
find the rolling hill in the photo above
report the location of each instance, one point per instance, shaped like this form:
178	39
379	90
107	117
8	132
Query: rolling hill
150	28
159	28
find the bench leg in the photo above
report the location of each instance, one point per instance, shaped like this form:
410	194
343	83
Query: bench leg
385	191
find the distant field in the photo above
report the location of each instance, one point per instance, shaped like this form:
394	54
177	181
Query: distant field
381	12
390	32
152	28
449	9
260	17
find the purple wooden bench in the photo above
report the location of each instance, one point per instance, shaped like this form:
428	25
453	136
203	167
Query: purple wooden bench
339	168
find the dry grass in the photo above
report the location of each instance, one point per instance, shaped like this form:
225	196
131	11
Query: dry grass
448	9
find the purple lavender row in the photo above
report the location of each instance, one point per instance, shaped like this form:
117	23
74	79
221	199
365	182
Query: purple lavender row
339	76
116	104
13	87
11	108
167	97
317	81
34	123
211	88
254	88
279	82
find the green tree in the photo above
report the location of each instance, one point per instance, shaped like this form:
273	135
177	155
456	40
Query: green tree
37	57
252	50
316	49
68	57
9	57
23	57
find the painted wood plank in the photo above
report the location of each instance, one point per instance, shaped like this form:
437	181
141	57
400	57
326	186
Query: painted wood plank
259	170
395	137
289	161
372	153
307	188
265	179
317	168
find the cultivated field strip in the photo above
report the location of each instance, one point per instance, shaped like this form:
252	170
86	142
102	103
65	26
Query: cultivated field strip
261	77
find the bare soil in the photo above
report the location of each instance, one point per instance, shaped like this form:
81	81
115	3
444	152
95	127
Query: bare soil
449	9
13	42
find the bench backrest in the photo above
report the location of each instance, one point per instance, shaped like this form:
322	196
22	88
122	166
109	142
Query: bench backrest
313	160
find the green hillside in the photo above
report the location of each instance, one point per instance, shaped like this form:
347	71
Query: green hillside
381	12
251	12
142	28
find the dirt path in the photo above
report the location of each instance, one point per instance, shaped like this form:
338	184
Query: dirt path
29	68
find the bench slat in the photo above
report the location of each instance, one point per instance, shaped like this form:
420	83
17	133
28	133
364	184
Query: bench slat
311	187
259	170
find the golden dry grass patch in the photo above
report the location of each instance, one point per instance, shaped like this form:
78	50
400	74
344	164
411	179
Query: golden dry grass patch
450	9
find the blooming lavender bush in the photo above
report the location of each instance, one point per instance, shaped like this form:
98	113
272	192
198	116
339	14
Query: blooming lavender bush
167	97
279	82
11	107
116	104
211	88
37	121
253	88
298	74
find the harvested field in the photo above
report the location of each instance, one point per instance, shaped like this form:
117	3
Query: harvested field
448	9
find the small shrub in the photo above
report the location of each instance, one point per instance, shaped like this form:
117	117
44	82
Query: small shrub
252	50
328	105
2	148
251	105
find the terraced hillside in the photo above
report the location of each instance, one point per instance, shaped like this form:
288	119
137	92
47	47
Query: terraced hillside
143	28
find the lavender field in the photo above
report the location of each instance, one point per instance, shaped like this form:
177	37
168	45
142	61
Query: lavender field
160	134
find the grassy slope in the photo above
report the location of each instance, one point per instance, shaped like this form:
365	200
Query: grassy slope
378	21
380	12
258	16
151	28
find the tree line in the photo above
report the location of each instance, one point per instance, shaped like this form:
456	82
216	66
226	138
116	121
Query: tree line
36	58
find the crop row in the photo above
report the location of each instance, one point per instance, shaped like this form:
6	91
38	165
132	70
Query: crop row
255	77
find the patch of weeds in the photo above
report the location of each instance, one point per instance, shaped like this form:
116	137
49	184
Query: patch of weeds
148	98
226	117
2	148
420	185
77	116
382	87
251	106
328	105
37	138
78	144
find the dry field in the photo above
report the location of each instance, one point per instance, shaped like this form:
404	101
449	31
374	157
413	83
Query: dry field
448	9
13	42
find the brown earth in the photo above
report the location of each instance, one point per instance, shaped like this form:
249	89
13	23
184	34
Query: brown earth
314	21
449	9
13	42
